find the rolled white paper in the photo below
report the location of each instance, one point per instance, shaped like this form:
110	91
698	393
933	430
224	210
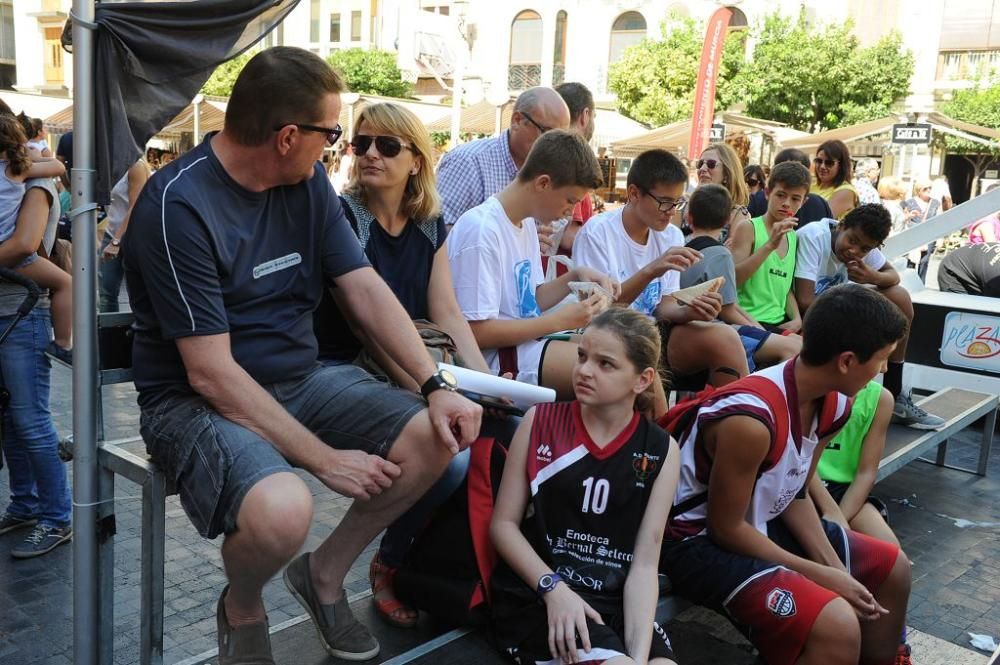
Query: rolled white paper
524	395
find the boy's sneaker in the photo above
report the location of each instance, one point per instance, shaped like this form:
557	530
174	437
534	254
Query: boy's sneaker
905	412
10	522
60	353
42	540
903	655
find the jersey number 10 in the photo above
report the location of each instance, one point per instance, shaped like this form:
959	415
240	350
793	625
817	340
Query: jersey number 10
595	495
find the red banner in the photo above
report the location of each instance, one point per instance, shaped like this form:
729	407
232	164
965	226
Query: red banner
708	73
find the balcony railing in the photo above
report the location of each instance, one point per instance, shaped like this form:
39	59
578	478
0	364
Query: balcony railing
522	77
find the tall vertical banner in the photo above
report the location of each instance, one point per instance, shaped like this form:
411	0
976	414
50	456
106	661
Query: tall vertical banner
708	74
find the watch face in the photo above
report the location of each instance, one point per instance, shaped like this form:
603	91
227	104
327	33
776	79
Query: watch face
545	582
448	378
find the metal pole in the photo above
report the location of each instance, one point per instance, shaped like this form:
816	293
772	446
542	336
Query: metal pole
196	104
456	102
85	470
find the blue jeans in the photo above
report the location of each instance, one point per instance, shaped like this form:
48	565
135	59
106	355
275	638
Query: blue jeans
38	483
109	279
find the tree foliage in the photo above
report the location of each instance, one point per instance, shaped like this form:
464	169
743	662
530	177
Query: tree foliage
817	77
655	79
980	106
223	79
370	71
812	77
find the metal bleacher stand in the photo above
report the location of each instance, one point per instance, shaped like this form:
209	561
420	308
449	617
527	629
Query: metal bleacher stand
977	398
113	457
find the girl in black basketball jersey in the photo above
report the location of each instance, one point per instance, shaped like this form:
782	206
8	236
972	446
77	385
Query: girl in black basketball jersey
581	510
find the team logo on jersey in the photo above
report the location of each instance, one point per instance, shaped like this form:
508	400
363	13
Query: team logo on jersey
781	603
544	453
644	465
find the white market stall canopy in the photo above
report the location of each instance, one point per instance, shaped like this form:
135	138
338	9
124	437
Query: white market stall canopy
35	106
938	121
481	118
677	134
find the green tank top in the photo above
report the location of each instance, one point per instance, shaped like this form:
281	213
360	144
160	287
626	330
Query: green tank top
763	294
839	463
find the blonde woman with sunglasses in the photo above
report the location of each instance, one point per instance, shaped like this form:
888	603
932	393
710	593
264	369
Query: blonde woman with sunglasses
392	203
720	165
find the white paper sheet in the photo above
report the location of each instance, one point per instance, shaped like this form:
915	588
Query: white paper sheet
524	395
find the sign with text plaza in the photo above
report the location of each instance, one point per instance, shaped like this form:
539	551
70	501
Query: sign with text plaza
915	133
717	133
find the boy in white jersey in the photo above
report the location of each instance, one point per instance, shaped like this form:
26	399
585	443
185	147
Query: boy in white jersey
638	245
830	253
497	272
743	536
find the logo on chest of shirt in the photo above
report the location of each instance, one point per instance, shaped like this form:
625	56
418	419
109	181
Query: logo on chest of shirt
777	273
781	603
645	465
527	306
544	453
277	265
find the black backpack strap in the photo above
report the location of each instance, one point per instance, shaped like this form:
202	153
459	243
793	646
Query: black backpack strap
703	242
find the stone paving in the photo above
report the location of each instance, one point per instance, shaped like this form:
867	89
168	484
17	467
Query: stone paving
956	564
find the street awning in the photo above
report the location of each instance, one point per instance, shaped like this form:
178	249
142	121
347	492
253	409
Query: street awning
677	134
479	118
938	121
211	118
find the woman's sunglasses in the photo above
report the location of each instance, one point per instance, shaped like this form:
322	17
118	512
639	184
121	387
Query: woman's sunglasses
387	146
828	163
710	163
753	182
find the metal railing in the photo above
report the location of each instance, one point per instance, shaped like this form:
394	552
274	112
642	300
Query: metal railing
940	226
522	77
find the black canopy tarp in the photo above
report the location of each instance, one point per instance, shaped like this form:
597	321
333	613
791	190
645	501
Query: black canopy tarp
152	59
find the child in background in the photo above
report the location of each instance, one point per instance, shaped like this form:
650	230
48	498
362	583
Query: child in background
764	251
579	582
639	246
17	166
849	467
831	253
708	211
34	129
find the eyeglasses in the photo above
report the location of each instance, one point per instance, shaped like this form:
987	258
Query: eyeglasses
710	163
332	135
753	182
541	128
828	163
667	205
387	146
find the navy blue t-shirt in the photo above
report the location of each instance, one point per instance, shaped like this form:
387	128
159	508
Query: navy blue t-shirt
205	256
404	262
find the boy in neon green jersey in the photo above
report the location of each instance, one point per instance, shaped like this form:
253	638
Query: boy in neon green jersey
764	251
849	466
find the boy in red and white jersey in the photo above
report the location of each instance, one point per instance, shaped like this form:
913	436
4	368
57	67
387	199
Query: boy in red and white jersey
743	535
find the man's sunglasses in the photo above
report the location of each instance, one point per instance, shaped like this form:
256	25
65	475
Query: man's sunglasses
540	128
667	205
828	163
332	135
387	146
710	163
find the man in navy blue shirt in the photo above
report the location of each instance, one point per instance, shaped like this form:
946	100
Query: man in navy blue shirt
227	254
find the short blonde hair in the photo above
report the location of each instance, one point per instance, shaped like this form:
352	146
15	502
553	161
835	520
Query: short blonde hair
891	189
921	183
732	173
420	200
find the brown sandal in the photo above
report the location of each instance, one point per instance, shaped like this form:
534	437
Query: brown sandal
389	610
